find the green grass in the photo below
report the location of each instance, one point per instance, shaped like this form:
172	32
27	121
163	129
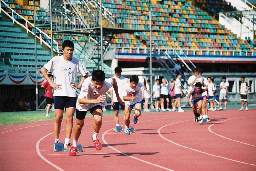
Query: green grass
8	118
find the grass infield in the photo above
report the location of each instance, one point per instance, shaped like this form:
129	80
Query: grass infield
8	118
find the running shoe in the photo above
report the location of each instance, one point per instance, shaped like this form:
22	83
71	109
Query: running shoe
208	119
163	110
241	108
72	151
135	119
47	116
246	108
220	108
168	109
97	144
174	109
127	131
67	147
180	110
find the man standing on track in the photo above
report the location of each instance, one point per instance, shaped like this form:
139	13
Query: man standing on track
65	69
121	82
223	92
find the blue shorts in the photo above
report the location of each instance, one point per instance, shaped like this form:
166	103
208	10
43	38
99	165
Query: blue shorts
195	101
132	106
177	96
61	102
211	98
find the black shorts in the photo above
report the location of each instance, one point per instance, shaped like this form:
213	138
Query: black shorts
48	100
116	106
81	114
164	96
61	102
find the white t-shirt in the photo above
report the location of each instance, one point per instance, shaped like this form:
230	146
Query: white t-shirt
129	92
146	94
121	83
156	90
88	91
244	87
204	82
177	85
164	89
222	84
211	88
65	73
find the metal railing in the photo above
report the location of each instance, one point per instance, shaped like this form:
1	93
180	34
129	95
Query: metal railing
26	26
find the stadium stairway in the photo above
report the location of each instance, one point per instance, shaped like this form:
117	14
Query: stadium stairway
17	47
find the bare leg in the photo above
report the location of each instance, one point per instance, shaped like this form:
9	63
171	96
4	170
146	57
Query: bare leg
48	109
226	103
162	103
116	113
78	128
146	104
97	115
242	103
168	103
57	123
127	112
246	104
138	110
220	103
69	121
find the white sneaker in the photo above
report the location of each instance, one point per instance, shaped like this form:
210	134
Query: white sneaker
224	108
163	110
241	108
246	108
174	109
220	108
47	115
180	110
169	109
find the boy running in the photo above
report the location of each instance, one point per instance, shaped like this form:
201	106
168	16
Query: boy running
244	89
223	92
65	69
196	102
133	99
92	97
156	94
121	81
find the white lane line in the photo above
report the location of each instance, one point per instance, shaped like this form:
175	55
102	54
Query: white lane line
209	128
105	142
17	129
42	157
209	154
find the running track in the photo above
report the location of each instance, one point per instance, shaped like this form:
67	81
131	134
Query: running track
162	141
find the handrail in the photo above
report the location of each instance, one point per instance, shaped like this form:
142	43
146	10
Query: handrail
26	27
247	2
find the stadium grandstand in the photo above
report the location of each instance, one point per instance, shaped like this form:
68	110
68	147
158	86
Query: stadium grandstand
217	36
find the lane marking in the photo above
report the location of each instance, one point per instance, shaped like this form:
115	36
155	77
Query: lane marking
209	154
210	130
42	157
144	161
141	160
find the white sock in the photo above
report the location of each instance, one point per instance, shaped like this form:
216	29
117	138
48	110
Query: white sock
95	136
67	140
126	127
56	141
75	143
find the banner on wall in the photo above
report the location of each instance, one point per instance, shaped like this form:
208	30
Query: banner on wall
20	79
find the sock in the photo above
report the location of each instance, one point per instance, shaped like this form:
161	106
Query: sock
126	127
67	140
117	124
56	140
75	143
95	136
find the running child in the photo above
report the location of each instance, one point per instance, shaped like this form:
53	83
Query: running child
156	94
196	102
133	99
92	98
244	89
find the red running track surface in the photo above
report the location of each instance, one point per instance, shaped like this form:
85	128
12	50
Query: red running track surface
162	141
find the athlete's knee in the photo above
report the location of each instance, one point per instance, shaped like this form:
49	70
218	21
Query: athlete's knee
137	112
